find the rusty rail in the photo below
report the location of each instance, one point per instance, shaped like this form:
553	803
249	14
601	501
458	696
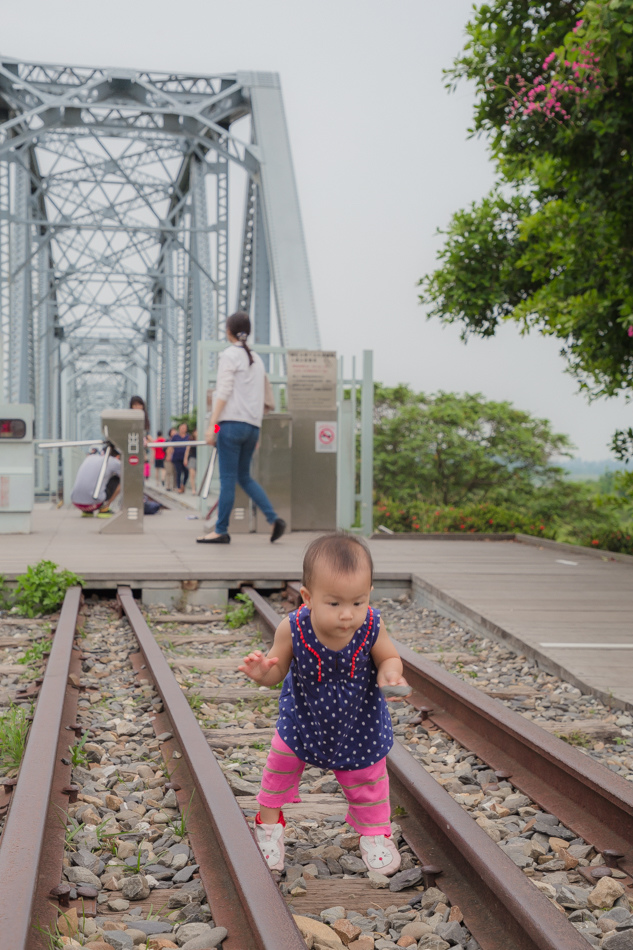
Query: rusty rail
32	844
584	795
501	908
244	896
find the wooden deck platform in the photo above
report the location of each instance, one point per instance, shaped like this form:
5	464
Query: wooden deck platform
572	609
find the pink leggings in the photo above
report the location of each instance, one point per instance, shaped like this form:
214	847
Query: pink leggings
366	790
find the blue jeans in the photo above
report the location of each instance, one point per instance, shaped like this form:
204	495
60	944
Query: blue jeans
236	444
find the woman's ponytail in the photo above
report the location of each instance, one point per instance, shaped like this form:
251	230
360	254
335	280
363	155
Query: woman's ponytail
239	326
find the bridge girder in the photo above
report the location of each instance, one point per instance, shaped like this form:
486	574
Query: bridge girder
114	250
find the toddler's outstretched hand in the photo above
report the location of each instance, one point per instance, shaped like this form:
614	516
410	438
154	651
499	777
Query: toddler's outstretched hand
257	666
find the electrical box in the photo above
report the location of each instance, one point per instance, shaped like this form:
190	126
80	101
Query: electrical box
17	484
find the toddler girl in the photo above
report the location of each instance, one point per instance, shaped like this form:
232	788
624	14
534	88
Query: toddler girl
334	655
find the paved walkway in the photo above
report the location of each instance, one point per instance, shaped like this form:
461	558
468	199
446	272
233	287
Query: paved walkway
575	609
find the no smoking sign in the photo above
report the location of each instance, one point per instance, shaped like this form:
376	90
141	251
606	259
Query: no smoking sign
325	436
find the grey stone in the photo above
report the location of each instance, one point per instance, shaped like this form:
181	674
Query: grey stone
620	914
378	880
195	913
179	848
514	802
200	936
351	864
330	914
118	904
431	896
293	872
125	728
433	942
164	736
82	876
619	941
185	875
188	931
416	929
150	927
195	890
404	879
214	939
452	932
137	935
119	940
82	776
522	860
170	800
135	888
86	859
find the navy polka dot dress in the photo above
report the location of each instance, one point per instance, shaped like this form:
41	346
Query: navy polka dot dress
331	711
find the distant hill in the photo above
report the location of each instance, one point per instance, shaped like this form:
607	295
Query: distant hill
579	468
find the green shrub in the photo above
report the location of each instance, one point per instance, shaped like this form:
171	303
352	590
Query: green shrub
619	540
242	614
465	519
592	528
41	590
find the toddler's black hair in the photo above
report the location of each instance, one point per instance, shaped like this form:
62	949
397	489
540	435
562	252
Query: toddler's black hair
343	553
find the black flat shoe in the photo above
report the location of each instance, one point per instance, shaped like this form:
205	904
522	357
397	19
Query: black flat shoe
221	539
278	529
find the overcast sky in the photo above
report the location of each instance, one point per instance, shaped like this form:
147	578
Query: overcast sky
382	160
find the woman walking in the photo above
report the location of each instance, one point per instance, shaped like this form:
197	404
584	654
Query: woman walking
238	408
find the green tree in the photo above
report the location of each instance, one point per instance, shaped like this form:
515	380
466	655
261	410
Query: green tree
551	246
448	449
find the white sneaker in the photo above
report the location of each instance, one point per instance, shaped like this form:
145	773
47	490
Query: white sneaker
380	853
270	839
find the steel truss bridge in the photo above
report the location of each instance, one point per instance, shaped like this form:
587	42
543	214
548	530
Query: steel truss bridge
115	237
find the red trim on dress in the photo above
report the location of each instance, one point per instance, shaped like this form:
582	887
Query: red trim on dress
312	650
369	626
307	645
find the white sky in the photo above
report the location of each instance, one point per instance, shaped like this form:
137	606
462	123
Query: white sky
382	160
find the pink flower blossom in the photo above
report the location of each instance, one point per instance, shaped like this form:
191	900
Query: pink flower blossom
630	331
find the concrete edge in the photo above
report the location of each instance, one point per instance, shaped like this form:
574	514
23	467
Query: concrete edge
443	536
430	596
578	550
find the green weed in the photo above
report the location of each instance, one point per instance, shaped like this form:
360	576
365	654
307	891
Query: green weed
238	616
574	738
35	653
179	825
5	594
77	754
196	701
41	590
14	726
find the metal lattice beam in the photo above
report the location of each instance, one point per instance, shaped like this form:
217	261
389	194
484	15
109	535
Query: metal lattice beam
113	249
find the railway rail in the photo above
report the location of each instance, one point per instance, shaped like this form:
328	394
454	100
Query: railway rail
501	907
587	798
